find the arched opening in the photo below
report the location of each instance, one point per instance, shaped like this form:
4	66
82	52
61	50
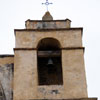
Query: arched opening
49	62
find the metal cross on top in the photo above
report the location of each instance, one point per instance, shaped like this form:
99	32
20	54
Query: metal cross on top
47	4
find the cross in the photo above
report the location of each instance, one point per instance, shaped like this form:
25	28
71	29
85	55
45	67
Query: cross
47	4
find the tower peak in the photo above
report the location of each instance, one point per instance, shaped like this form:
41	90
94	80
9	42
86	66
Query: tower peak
47	16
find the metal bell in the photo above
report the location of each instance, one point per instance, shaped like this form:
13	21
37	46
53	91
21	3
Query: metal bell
50	62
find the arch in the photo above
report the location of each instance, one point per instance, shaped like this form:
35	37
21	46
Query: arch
48	44
49	62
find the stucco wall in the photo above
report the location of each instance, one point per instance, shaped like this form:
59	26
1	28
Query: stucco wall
74	74
26	80
54	24
67	38
74	85
25	75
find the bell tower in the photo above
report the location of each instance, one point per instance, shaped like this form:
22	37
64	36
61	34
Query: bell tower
49	61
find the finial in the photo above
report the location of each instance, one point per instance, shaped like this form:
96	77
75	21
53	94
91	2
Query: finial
47	4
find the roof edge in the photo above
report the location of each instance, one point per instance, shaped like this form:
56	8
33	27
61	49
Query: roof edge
57	29
47	20
6	55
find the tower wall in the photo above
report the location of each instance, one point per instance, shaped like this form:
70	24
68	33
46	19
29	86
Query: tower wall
30	38
54	24
26	74
74	73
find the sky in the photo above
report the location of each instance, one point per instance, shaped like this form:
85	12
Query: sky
82	13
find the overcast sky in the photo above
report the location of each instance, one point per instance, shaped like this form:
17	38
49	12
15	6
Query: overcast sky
82	13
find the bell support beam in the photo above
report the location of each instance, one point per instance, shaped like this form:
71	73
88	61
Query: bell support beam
49	53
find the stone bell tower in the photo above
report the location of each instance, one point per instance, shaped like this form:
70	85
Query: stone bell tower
49	61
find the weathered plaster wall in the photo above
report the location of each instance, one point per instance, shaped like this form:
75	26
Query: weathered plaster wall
6	76
67	38
50	92
25	75
74	74
74	85
26	83
48	24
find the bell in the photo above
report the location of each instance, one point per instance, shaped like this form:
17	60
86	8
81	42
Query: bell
50	62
